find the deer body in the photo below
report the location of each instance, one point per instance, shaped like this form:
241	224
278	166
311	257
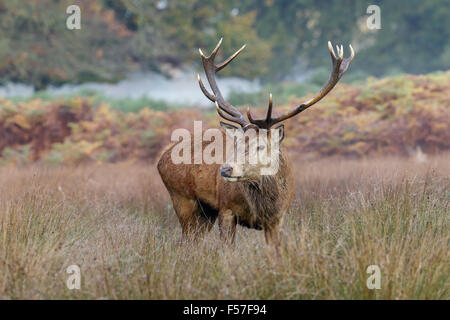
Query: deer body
200	195
239	193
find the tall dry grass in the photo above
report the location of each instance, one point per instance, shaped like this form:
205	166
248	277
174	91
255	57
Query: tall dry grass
116	223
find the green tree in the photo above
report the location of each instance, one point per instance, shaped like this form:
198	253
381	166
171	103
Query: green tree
284	37
37	48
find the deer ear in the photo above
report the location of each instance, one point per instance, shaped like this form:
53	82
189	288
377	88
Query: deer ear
226	126
280	130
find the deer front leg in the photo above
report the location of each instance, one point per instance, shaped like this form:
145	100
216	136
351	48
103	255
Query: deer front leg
227	225
272	234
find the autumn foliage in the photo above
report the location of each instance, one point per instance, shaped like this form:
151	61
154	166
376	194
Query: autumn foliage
388	116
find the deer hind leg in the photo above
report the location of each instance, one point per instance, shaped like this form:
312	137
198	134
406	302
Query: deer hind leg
193	224
227	225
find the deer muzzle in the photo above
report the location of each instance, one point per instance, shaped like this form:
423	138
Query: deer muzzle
226	171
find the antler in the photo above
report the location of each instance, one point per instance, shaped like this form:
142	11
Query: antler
340	65
225	109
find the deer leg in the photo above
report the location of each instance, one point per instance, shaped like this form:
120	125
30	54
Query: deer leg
195	218
272	235
192	224
227	225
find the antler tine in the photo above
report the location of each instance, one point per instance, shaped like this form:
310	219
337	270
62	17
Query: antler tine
249	115
209	95
262	123
226	62
210	70
216	49
340	65
352	52
269	109
230	118
213	53
346	62
330	48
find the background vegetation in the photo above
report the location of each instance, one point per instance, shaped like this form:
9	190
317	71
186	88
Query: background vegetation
389	116
285	38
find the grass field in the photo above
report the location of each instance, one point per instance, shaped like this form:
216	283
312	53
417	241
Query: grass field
115	221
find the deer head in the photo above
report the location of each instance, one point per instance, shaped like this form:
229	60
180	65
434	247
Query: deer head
249	140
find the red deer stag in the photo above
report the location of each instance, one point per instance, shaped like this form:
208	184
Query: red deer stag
237	193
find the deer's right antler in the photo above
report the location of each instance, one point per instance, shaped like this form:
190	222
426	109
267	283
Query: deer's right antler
340	65
225	109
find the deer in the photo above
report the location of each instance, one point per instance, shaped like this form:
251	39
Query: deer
232	192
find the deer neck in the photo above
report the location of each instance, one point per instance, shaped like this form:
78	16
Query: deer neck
266	197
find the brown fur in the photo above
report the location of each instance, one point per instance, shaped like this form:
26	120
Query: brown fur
200	195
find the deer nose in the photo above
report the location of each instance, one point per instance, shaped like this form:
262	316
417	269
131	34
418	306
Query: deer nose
226	171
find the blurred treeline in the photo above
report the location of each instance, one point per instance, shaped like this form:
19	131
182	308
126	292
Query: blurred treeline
284	37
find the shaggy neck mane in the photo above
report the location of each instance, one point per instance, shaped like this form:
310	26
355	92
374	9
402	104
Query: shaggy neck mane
266	196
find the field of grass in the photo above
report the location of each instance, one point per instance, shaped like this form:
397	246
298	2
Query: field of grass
115	221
